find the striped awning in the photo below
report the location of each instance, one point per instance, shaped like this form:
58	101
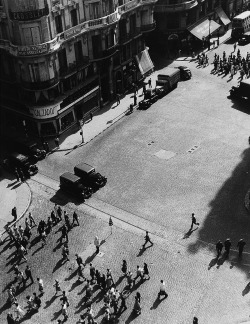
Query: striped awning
144	62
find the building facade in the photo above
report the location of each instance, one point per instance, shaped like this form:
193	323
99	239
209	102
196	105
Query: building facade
62	59
234	7
176	18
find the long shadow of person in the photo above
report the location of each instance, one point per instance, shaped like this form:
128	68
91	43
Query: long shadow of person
221	260
212	263
189	232
56	315
75	284
131	317
37	250
246	289
58	265
90	258
50	302
156	303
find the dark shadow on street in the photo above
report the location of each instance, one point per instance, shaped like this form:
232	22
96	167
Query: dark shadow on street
227	216
157	303
189	232
48	303
212	263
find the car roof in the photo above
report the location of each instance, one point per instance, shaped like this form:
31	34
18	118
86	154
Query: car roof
70	176
85	167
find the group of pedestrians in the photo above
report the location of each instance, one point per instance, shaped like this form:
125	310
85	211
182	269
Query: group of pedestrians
232	63
227	246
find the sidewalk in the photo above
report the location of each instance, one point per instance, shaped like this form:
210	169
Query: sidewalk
13	194
102	120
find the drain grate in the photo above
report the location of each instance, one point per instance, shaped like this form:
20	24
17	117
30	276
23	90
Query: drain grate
193	149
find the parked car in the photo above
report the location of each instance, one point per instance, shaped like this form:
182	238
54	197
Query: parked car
89	176
185	72
242	91
27	147
243	41
21	162
72	184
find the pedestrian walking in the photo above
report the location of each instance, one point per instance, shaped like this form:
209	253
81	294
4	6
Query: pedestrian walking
43	237
90	115
47	149
135	100
92	272
28	274
162	290
67	222
97	244
240	246
37	300
130	280
123	305
137	306
21	253
57	287
19	312
14	213
17	175
57	142
147	239
40	286
227	245
195	320
145	271
80	269
149	83
98	277
49	225
59	213
103	282
21	174
194	222
143	89
235	45
118	100
64	298
32	221
219	247
138	296
10	319
21	279
75	219
64	312
65	252
124	267
79	260
139	273
64	234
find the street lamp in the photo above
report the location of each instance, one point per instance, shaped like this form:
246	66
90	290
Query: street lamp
209	34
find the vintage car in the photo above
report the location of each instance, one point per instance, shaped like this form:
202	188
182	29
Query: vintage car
27	147
22	162
72	184
185	72
89	176
242	91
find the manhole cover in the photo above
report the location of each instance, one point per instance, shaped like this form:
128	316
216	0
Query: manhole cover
165	155
193	149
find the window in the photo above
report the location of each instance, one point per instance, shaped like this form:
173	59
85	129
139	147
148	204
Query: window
94	10
78	51
32	35
62	58
58	22
73	14
38	72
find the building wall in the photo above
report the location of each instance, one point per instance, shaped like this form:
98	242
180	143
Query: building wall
63	56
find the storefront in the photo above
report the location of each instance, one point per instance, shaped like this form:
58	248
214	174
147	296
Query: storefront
87	103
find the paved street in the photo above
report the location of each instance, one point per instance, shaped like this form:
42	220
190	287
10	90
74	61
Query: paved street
149	188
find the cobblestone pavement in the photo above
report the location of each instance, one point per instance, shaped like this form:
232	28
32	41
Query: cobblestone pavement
196	284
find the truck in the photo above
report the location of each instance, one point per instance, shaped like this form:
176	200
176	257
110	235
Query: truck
242	91
167	81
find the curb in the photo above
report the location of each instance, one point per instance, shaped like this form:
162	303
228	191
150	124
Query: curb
24	212
81	144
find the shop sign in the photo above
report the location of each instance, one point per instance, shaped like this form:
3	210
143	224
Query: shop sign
32	50
72	32
29	15
45	112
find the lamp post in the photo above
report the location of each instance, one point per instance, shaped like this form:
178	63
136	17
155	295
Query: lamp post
81	131
209	33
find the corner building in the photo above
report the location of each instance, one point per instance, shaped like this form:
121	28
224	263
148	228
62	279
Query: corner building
182	24
62	59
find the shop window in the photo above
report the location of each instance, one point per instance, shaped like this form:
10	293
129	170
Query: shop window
58	22
48	129
73	14
67	121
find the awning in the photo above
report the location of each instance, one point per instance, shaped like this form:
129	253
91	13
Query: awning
223	17
203	29
144	62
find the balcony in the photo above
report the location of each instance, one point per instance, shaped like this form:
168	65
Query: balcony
105	53
178	7
148	28
124	38
40	85
73	67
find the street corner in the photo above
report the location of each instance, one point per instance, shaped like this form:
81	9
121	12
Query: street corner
13	194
